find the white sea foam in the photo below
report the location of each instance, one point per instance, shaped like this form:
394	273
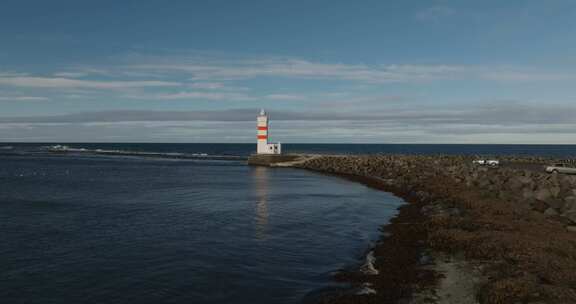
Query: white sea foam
66	149
366	289
368	266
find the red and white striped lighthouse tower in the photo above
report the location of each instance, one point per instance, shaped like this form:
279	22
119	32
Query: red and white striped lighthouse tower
263	146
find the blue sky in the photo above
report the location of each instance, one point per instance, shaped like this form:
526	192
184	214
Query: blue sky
327	71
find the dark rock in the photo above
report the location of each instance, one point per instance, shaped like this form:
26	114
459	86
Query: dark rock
539	206
543	195
569	204
551	211
528	194
555	203
554	191
571	215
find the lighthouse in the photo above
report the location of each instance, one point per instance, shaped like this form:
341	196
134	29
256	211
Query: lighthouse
263	147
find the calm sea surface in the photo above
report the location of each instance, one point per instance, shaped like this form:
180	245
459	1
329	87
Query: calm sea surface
83	228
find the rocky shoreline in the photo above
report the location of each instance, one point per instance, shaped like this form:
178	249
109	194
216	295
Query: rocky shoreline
468	234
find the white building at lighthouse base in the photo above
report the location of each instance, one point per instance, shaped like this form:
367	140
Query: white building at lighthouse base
269	148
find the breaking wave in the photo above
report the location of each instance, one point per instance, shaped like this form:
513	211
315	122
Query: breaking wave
66	150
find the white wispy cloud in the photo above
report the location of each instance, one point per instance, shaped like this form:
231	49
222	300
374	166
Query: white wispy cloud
522	75
203	70
285	97
23	98
12	74
218	74
194	95
509	113
82	71
486	122
58	82
236	79
69	74
285	131
208	85
211	72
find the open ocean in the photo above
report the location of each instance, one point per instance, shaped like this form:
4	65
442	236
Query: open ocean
87	228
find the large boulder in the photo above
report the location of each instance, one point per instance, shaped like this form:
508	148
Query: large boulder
555	191
543	194
528	194
525	179
569	204
551	212
555	203
570	215
539	206
515	184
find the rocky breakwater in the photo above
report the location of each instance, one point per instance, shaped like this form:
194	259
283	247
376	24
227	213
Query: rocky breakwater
468	234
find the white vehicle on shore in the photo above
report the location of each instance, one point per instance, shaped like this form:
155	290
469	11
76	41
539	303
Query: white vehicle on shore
561	168
487	162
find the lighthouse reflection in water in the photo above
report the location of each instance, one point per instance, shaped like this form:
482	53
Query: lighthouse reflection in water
260	175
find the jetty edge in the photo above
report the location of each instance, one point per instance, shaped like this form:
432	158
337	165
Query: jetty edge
273	159
468	233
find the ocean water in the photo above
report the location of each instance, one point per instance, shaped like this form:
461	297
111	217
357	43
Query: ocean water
115	229
89	228
247	149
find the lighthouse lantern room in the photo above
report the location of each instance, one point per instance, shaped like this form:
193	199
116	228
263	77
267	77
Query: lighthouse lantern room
263	146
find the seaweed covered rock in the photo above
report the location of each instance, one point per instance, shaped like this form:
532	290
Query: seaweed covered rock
516	221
